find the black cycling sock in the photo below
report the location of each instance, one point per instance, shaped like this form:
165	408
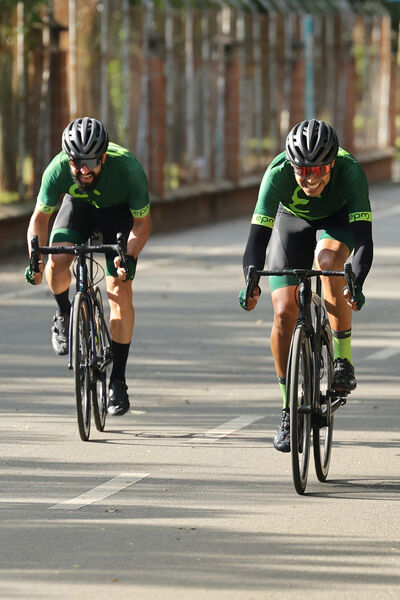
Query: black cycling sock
120	358
63	303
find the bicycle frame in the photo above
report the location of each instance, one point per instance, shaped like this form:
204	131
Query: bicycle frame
83	280
84	277
86	321
306	297
310	399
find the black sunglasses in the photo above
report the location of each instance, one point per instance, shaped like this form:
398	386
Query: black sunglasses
91	163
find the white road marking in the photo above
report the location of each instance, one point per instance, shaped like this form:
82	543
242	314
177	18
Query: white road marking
23	293
383	354
381	214
229	427
102	491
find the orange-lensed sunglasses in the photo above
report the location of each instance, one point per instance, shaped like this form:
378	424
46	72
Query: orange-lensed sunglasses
307	171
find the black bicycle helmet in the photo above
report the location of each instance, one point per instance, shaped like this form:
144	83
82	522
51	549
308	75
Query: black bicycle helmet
311	144
85	138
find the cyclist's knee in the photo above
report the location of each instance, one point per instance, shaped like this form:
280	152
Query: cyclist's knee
285	307
119	291
58	265
284	320
329	260
331	255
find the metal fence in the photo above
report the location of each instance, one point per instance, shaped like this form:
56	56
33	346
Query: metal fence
201	93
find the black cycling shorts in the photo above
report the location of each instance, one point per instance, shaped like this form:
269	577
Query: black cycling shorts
293	242
76	220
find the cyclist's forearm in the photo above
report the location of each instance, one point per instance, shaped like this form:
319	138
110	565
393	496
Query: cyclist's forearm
38	225
363	251
138	236
256	247
361	265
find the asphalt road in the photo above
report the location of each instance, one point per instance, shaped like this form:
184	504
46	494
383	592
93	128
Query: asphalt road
185	497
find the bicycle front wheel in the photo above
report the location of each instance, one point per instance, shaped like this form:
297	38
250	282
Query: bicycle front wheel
81	363
103	362
299	396
323	427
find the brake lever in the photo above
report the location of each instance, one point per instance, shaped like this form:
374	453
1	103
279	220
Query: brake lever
34	259
121	243
349	275
252	283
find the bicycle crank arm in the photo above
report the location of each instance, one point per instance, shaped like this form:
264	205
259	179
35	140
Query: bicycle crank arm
103	366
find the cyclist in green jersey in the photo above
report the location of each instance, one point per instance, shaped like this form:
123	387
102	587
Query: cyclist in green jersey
104	188
313	205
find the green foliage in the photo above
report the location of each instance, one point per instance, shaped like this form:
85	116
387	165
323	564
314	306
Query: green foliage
8	197
34	12
393	9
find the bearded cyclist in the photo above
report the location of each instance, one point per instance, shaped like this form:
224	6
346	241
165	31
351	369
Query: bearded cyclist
104	188
313	205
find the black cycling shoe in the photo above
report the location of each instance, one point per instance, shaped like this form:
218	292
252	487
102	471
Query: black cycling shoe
119	400
343	376
282	436
59	333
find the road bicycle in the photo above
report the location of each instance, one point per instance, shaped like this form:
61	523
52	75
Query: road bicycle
310	398
89	340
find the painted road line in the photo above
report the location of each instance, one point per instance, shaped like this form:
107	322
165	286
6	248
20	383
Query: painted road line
23	293
114	485
229	427
383	354
383	214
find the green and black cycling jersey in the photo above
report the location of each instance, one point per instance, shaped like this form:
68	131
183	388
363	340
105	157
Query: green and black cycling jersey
348	186
122	181
345	199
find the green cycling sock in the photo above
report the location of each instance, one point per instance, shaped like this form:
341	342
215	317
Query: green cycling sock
342	345
282	385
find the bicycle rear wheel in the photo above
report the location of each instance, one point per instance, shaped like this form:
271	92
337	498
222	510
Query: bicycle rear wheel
103	361
323	430
81	363
299	396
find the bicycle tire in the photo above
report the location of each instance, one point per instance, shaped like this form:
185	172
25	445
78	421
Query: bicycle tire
323	434
103	352
81	351
299	396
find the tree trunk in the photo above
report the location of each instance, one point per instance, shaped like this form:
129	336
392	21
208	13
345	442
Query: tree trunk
8	136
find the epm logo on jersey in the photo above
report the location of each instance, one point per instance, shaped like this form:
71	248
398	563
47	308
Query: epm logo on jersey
263	220
360	216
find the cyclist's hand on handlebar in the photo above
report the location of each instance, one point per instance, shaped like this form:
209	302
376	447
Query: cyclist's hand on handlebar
32	277
125	274
359	298
252	302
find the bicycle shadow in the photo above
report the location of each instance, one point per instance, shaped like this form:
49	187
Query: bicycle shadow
368	488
